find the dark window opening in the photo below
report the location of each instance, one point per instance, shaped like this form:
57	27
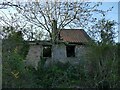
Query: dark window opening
47	51
70	51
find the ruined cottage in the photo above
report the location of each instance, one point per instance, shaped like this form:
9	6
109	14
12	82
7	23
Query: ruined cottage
70	48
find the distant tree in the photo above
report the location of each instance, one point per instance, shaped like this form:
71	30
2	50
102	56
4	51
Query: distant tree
102	55
104	31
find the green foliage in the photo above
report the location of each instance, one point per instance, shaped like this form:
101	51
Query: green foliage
103	64
104	31
103	56
13	64
56	76
98	69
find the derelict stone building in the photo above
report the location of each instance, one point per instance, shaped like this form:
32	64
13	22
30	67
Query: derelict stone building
71	47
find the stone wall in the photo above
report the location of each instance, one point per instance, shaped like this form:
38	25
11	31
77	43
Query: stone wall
34	54
79	51
58	54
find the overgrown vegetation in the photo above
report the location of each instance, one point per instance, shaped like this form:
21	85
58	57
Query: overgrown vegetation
99	70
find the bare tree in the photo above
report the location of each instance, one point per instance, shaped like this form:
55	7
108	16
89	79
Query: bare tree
66	14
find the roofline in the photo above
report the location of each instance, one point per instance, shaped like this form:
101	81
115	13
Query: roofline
85	33
71	29
59	42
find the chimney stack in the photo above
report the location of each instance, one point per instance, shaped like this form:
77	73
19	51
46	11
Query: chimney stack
54	31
